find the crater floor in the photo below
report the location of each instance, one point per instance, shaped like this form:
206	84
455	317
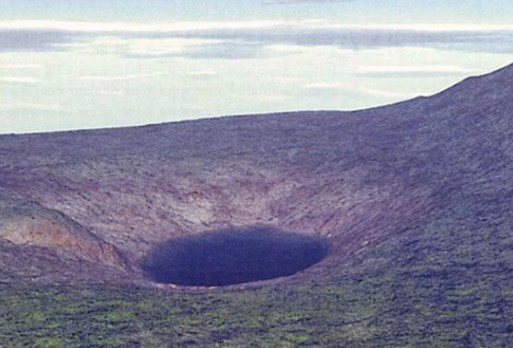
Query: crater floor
233	256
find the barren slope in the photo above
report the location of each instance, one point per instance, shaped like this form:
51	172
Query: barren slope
101	200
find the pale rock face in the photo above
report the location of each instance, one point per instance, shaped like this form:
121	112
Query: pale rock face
49	234
31	225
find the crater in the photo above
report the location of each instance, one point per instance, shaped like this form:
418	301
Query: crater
233	256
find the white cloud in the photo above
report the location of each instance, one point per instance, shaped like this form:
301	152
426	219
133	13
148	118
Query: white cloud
113	27
420	27
19	66
139	47
410	69
163	27
168	46
235	39
202	73
31	106
109	92
387	94
118	78
323	85
18	79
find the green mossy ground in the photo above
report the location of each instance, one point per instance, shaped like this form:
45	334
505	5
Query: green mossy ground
446	283
418	303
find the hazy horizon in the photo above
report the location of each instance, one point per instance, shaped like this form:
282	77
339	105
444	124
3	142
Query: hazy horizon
77	65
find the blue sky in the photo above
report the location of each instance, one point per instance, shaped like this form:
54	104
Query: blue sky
468	11
90	64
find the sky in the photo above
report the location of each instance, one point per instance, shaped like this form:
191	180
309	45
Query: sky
82	64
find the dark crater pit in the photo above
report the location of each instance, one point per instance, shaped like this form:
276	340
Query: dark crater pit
233	256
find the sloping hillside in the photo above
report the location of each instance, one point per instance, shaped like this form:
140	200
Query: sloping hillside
414	200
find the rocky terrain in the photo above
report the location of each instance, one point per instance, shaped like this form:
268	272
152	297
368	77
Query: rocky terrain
414	200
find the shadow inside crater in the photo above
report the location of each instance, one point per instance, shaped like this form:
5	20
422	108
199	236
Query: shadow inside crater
233	256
